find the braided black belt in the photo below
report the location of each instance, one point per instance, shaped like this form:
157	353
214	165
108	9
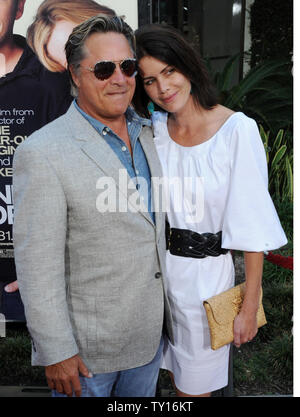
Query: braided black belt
183	242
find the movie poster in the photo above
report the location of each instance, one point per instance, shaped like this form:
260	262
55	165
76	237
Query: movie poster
34	90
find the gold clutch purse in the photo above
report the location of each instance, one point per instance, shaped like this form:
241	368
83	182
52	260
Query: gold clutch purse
221	311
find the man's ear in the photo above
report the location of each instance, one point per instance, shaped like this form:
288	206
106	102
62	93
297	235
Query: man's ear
20	9
74	76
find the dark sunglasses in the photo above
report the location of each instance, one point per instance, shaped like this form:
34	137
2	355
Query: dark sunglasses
105	69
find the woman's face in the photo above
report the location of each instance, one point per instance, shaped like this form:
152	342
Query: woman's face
58	39
167	87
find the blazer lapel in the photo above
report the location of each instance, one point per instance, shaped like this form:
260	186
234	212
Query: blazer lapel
96	148
147	142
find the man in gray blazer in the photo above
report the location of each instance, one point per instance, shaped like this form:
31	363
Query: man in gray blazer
89	243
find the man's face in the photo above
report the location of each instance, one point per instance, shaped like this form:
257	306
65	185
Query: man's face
10	10
104	99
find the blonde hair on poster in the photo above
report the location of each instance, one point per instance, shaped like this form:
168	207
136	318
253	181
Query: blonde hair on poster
52	11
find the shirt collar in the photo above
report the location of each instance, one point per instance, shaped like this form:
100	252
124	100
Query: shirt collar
130	114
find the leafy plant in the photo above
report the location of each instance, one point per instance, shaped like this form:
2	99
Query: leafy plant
265	93
280	161
285	212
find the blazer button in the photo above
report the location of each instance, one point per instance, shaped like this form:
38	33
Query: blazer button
158	275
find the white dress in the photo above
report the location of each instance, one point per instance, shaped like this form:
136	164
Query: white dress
230	195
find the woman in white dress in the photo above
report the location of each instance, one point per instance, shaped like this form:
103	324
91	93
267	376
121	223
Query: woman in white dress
218	157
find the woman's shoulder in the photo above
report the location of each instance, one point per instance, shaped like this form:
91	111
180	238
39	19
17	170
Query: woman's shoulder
237	125
242	135
238	130
237	117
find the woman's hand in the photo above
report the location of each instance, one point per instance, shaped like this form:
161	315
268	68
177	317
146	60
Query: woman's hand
244	328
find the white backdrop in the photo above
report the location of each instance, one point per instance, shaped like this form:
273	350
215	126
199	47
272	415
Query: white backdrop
128	8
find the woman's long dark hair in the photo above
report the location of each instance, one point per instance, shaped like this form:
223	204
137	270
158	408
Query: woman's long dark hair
168	45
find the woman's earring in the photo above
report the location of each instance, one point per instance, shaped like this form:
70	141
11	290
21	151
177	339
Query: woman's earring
150	107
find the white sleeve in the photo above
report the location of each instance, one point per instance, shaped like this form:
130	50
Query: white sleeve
250	220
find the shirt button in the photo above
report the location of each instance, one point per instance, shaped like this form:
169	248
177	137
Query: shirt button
124	148
157	275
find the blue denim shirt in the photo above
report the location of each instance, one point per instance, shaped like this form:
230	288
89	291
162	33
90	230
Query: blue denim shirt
137	165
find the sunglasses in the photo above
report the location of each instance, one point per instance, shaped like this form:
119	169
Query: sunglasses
105	69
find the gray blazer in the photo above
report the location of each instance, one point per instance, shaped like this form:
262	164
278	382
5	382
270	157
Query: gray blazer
91	282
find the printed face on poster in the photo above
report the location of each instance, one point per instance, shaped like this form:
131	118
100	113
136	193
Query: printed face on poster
127	8
34	85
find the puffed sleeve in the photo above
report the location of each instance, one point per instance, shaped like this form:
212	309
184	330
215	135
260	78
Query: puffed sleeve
250	220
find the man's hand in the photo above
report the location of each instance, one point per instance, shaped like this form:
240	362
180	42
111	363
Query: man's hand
64	376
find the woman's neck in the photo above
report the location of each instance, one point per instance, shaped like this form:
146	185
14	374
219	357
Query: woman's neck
185	118
192	127
188	123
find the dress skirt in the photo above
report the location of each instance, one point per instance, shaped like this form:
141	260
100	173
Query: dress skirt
196	367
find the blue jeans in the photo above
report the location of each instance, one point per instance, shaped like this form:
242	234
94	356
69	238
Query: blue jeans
136	382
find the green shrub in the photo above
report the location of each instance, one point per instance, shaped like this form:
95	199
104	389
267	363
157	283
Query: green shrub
280	160
264	368
265	93
278	306
284	209
251	367
280	355
15	354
